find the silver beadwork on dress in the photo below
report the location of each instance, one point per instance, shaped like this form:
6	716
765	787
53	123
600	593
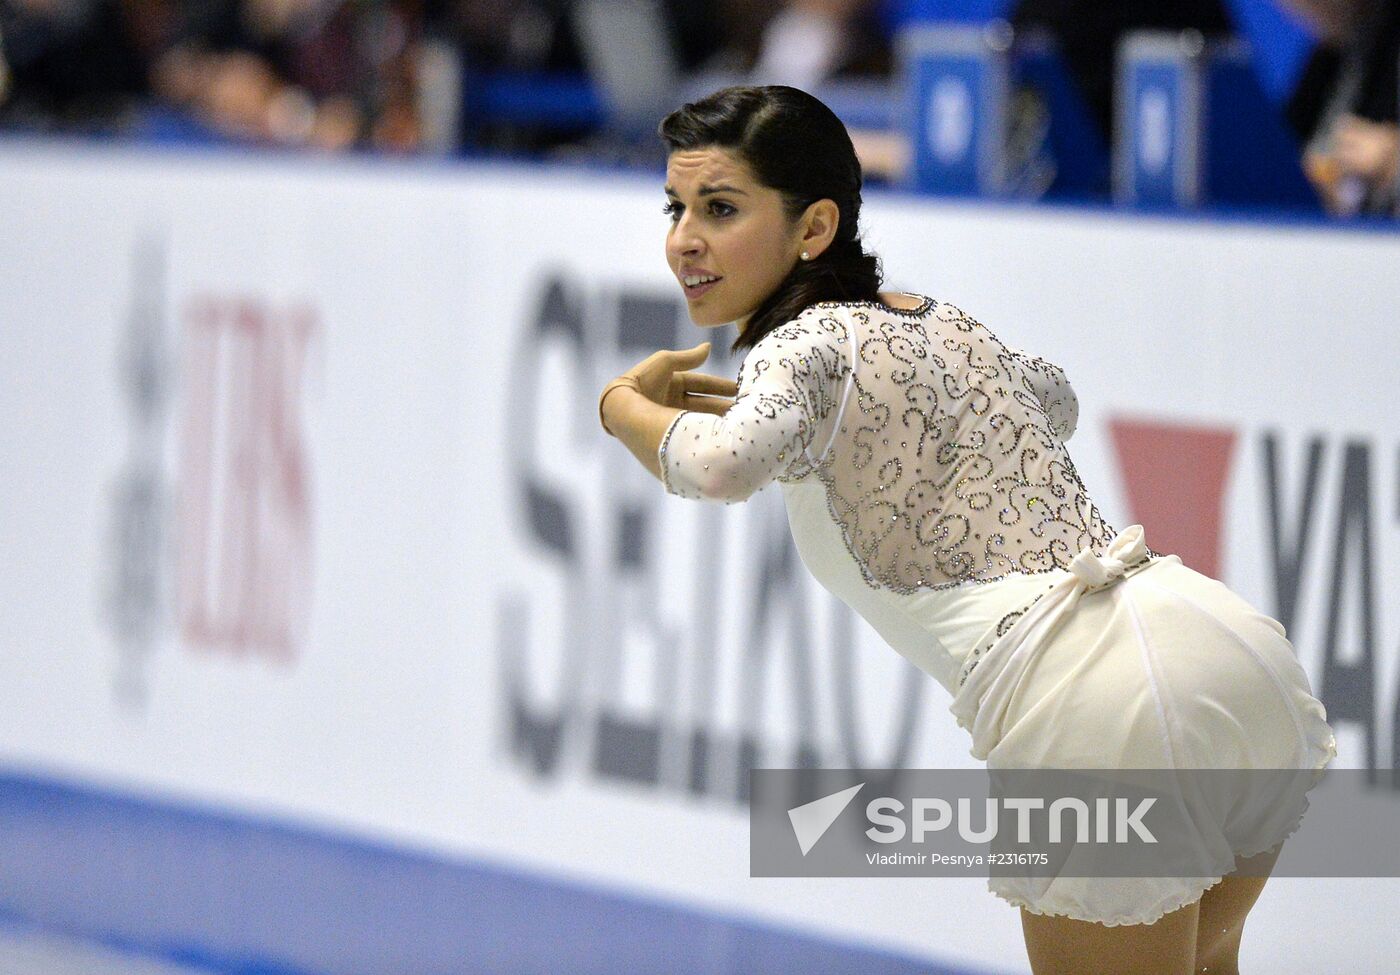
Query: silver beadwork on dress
941	449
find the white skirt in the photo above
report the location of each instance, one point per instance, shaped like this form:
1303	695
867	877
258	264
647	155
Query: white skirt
1137	662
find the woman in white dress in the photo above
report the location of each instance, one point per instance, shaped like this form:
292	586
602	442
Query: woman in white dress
925	476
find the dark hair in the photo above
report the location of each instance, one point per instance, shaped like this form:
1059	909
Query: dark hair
796	145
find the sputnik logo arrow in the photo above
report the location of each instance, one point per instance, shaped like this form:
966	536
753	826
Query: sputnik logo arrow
811	820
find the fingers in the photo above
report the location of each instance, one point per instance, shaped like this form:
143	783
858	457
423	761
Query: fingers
700	382
697	355
1364	147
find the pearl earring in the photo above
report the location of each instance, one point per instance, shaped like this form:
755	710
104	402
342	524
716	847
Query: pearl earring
806	256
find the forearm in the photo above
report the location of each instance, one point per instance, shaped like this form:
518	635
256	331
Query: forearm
639	423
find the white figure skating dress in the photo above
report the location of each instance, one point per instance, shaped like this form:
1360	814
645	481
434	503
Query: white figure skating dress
927	484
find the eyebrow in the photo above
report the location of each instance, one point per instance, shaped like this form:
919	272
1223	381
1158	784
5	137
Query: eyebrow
710	190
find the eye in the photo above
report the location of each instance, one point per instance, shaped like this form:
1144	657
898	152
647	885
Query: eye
717	207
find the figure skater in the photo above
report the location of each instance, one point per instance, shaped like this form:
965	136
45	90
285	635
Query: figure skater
923	467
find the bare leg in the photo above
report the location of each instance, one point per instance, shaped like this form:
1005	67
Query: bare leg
1064	946
1223	910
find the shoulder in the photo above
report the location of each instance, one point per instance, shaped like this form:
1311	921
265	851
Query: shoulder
925	310
815	327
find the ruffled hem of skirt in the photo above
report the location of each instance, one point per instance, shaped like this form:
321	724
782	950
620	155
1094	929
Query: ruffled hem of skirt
1193	892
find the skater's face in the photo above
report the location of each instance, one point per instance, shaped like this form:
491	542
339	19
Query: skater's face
727	225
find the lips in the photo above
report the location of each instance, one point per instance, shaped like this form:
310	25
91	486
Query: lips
699	289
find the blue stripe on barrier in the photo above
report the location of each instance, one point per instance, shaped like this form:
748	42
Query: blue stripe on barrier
536	98
248	896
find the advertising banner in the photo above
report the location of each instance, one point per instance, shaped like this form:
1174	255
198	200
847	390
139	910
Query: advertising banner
337	634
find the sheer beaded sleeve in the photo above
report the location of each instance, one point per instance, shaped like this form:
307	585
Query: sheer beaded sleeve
790	388
1053	391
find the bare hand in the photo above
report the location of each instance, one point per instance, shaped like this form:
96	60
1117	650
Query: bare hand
1367	149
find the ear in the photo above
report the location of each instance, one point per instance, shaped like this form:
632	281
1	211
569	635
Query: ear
819	225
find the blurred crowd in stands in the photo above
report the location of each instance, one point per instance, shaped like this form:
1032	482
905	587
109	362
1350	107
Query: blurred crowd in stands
327	74
389	75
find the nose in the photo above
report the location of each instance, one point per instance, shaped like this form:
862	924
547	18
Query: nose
684	239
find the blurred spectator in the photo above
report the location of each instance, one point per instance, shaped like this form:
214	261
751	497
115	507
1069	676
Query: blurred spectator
73	62
1344	107
342	74
807	42
329	74
702	43
334	74
514	36
518	34
1088	33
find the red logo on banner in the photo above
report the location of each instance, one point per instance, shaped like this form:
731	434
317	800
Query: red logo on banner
245	574
1174	476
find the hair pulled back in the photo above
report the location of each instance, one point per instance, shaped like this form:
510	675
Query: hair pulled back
796	145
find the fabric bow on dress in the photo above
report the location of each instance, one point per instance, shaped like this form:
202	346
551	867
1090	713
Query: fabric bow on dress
1127	547
989	678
